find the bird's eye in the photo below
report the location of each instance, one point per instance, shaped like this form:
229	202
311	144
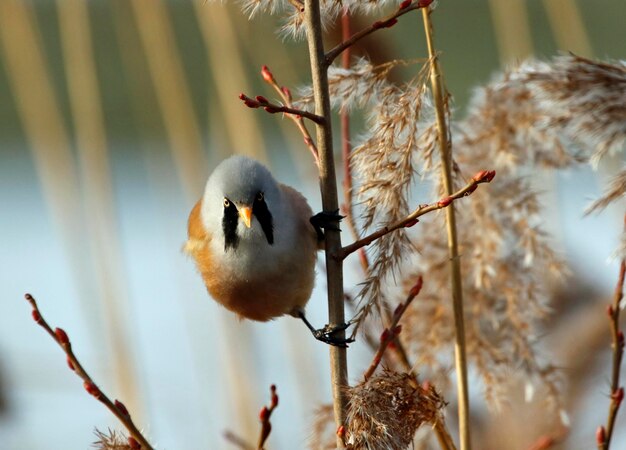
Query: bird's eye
260	196
226	203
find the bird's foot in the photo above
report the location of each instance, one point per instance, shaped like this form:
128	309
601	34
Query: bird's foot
329	334
326	220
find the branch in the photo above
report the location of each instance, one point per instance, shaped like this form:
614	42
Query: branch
261	102
285	94
387	22
390	333
603	436
264	416
330	202
410	220
136	440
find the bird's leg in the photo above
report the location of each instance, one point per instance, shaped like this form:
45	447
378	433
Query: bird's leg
327	334
326	220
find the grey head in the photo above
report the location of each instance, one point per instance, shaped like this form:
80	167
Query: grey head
242	200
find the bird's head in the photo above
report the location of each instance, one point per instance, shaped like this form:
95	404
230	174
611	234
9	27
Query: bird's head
241	203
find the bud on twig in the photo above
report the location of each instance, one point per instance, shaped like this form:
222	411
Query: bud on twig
274	402
267	75
120	406
92	389
264	414
36	316
61	336
600	435
405	4
70	364
445	202
133	444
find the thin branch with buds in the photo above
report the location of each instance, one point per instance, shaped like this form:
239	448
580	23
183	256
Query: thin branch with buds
410	220
264	416
393	330
603	435
261	102
136	440
285	95
387	22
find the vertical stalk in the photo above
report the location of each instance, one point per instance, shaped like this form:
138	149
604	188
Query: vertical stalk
453	250
330	202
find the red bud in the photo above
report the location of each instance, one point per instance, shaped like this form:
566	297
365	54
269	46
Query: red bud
445	202
600	435
274	403
243	96
36	316
261	99
620	338
120	406
92	389
341	431
424	3
61	336
405	4
417	287
410	223
385	335
264	414
484	176
609	310
133	444
267	75
426	386
271	109
397	330
384	24
286	91
70	364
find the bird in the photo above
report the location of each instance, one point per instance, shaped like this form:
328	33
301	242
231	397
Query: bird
255	242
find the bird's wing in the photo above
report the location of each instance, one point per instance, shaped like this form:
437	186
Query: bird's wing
196	233
301	209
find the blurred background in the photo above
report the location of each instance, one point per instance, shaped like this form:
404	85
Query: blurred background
112	115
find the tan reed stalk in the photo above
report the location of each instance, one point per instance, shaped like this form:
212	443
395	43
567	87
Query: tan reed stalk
330	202
229	75
568	27
173	95
91	142
439	95
39	112
512	30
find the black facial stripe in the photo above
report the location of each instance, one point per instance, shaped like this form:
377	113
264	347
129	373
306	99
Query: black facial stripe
229	225
264	216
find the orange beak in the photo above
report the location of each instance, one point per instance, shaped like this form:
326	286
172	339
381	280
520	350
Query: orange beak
246	215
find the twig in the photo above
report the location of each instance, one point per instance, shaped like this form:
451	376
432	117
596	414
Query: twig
264	416
285	95
410	220
617	391
346	148
393	330
237	440
136	440
437	88
261	102
330	202
387	22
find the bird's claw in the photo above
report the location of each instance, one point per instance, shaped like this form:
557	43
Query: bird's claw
328	335
326	220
